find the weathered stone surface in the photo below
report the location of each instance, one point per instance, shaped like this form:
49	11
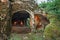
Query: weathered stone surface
3	13
16	6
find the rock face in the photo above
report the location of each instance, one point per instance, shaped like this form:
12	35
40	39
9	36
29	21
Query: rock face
3	16
9	8
26	5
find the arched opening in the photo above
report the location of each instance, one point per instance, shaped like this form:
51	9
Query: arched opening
21	21
20	18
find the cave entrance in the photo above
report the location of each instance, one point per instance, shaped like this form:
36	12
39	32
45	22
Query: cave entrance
20	18
21	21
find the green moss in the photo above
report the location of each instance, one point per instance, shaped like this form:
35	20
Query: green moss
52	31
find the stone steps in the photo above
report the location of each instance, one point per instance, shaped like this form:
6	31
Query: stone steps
21	29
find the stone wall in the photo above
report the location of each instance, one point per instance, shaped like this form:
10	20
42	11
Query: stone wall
23	7
5	16
16	6
4	9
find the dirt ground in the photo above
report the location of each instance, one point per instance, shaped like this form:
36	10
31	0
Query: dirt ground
28	36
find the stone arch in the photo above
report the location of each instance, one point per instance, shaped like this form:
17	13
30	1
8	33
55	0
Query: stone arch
30	12
22	7
31	17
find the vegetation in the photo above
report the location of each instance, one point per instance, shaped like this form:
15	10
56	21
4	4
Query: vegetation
52	31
